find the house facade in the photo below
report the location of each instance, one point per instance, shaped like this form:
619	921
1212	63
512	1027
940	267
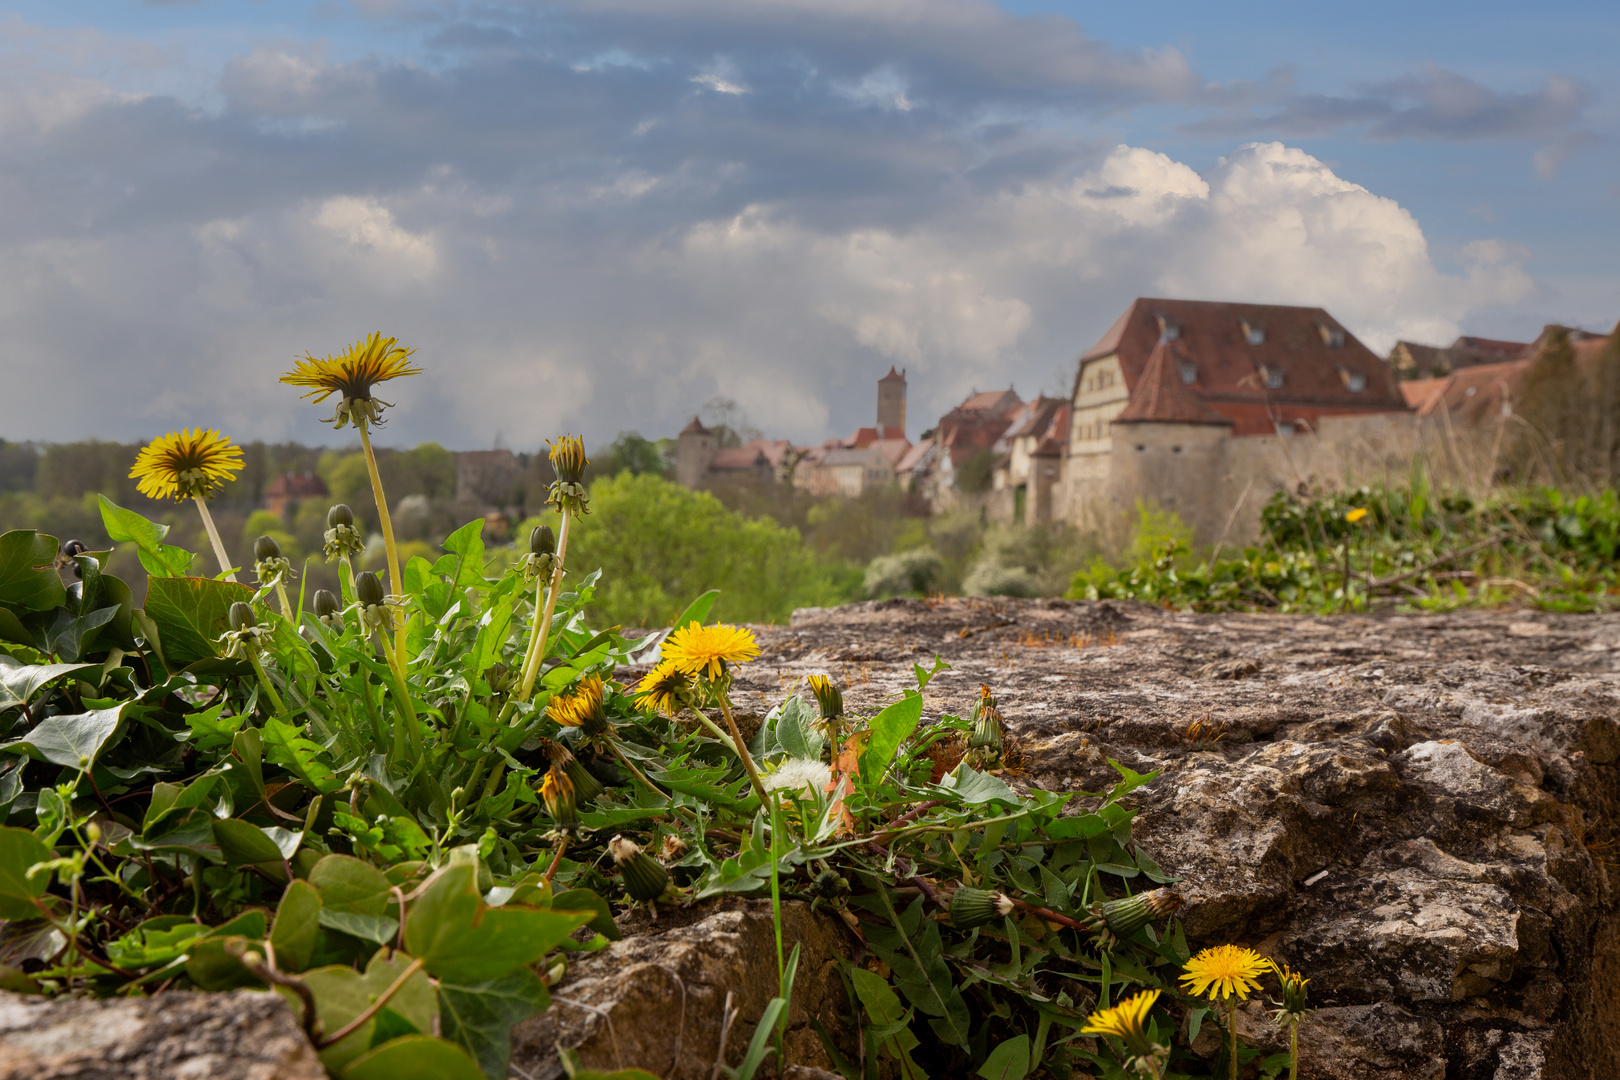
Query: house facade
1206	408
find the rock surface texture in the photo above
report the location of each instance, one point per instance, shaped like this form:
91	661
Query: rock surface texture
237	1036
1415	810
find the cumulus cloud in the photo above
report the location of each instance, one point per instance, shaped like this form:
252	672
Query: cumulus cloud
605	227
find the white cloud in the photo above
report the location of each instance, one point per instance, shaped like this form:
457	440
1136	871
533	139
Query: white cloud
368	239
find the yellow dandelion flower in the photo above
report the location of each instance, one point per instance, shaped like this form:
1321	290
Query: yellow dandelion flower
183	464
351	374
1224	970
1126	1021
664	689
1356	515
582	708
697	649
557	792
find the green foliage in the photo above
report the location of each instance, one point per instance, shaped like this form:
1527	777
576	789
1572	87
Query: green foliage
633	454
1409	547
657	544
914	573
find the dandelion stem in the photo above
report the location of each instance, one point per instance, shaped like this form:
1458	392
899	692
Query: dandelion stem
627	763
264	680
1231	1027
346	580
556	860
537	645
742	750
395	581
213	538
286	608
1293	1051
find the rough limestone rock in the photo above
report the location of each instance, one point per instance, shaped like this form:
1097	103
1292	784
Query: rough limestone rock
1413	809
237	1036
655	1000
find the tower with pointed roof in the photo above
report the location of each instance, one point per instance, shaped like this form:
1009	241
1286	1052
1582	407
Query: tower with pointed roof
694	453
891	405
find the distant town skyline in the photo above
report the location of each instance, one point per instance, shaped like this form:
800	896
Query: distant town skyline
598	216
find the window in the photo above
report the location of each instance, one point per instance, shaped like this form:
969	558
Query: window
1254	335
1168	330
1332	336
1189	373
1356	381
1274	378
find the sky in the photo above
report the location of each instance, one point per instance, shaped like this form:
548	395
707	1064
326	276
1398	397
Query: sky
598	216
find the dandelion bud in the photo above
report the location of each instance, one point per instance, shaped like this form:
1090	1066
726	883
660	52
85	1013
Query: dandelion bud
644	879
586	786
500	678
568	459
1294	1001
830	884
1126	916
986	732
340	516
328	609
93	832
265	547
557	792
972	907
829	698
368	588
242	617
542	541
341	536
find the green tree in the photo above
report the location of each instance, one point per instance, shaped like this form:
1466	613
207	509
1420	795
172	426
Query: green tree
631	453
660	544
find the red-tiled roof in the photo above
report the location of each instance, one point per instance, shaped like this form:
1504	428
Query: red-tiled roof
694	428
913	456
893	450
1161	395
1231	373
998	401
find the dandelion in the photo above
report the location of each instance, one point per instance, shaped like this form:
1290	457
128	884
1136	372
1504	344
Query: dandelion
272	568
1225	973
586	786
244	640
193	465
1292	1008
1354	516
645	880
568	462
706	650
351	374
582	708
798	775
665	689
328	610
1127	1022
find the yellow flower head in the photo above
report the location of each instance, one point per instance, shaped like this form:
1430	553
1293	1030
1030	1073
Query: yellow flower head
829	699
664	689
1126	1021
582	708
568	458
557	792
1294	1003
1224	970
706	650
183	464
351	374
1356	515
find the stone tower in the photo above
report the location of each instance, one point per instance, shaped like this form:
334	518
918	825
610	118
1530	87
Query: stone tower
694	453
891	405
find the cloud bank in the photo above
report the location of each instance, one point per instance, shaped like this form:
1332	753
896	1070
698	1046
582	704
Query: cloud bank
599	218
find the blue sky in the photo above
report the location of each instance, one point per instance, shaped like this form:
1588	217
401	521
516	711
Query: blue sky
599	215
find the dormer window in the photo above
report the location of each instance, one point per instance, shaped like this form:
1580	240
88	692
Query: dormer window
1168	330
1274	378
1189	373
1254	335
1355	382
1332	336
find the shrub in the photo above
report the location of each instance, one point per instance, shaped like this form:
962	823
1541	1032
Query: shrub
910	572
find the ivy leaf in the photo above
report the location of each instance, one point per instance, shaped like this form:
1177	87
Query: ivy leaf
414	1057
243	843
342	993
191	613
28	580
348	884
70	741
128	527
297	925
20	682
20	849
480	1015
463	940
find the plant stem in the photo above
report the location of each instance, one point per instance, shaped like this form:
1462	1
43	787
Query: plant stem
213	538
627	763
264	680
1293	1051
346	581
360	1021
537	645
287	611
1231	1026
742	750
556	859
396	582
